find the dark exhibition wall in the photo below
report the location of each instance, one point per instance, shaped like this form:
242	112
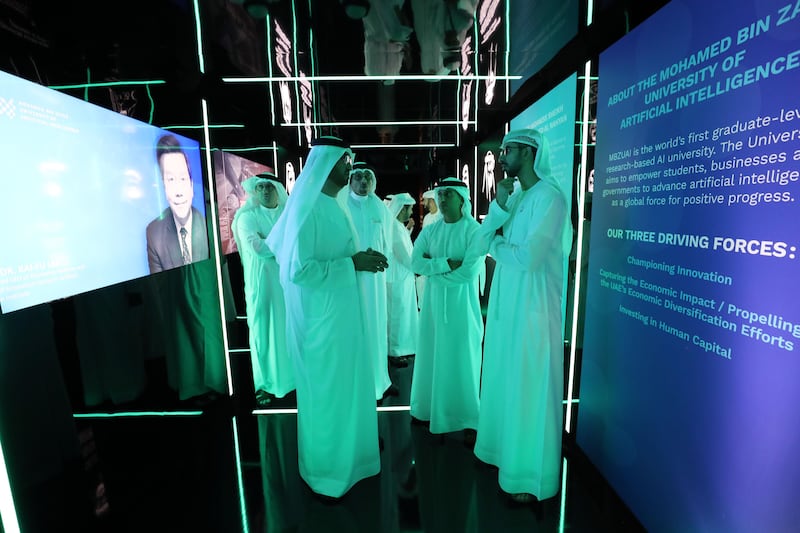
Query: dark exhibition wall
674	125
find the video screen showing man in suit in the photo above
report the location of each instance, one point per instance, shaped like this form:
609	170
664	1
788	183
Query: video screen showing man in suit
178	236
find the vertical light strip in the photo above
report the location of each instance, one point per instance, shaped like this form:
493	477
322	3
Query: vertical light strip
587	82
152	104
200	61
8	513
296	73
239	478
314	84
458	115
589	11
507	52
215	235
275	160
88	82
477	39
563	513
475	182
268	23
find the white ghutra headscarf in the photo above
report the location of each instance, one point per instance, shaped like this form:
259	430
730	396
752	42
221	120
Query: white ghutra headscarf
282	240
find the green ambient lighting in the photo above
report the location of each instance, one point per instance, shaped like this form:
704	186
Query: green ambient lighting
201	126
239	478
106	84
134	414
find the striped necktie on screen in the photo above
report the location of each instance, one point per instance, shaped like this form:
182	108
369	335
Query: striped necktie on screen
185	248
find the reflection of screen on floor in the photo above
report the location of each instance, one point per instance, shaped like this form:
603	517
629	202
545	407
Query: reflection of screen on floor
80	184
692	319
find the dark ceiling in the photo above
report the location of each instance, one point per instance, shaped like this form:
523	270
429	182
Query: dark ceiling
67	42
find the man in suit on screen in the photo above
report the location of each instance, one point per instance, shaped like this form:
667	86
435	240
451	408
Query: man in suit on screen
178	236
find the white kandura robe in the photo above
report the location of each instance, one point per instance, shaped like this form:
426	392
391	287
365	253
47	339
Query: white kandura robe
372	220
266	311
445	384
522	386
428	219
337	424
401	289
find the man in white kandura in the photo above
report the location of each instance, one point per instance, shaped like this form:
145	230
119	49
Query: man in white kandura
445	384
316	247
401	288
432	214
373	223
521	417
273	376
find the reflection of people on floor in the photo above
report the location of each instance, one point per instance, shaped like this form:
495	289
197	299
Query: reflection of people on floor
273	375
110	336
286	498
445	386
445	475
39	437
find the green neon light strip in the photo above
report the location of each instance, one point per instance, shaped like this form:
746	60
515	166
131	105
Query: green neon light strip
407	77
239	477
383	123
105	84
8	512
589	11
215	230
88	81
137	414
421	145
201	126
200	60
152	104
253	149
562	513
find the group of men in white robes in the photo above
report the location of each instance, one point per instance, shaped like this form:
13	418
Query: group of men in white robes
509	384
329	243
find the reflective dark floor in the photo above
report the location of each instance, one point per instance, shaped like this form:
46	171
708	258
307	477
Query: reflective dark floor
230	468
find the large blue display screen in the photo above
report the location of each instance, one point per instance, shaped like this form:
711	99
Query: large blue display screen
80	186
692	336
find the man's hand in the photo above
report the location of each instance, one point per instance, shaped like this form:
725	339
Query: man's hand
504	189
454	263
370	261
410	224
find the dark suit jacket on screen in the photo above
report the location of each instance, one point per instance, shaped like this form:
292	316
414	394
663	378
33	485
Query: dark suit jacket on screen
163	245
